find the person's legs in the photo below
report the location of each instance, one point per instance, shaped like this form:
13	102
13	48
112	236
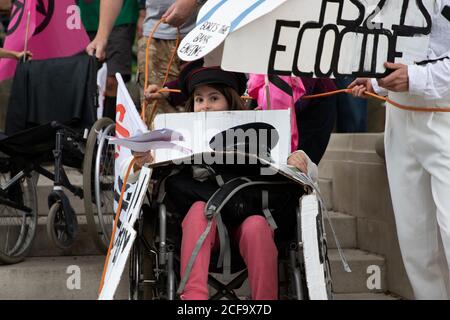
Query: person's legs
434	148
194	224
257	247
351	112
414	208
315	125
118	59
160	53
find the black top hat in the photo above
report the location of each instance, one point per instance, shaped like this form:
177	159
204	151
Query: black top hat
256	138
194	74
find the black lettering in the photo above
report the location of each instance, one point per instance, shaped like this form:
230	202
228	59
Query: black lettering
369	24
210	26
370	33
402	30
318	71
295	70
203	38
276	47
191	49
126	239
446	12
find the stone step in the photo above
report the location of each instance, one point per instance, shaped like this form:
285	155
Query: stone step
345	227
365	296
346	286
55	278
44	247
326	190
368	272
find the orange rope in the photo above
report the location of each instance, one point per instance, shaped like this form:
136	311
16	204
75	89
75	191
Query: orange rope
326	94
384	99
165	90
116	220
169	90
349	91
172	58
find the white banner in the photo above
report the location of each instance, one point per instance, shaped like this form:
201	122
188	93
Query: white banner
198	128
128	124
125	236
321	38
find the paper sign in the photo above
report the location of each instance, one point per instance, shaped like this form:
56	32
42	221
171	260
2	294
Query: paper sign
322	38
128	124
125	236
216	20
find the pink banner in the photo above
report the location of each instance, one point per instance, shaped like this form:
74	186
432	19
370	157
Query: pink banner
55	31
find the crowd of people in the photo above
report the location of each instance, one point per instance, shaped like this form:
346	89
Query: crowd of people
417	144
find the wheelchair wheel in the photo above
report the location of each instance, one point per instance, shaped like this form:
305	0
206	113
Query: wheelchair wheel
143	260
57	230
98	183
17	225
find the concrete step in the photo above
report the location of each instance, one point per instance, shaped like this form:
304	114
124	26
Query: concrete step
326	190
55	278
368	272
346	286
44	247
365	296
345	227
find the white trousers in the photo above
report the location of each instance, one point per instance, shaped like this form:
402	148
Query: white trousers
418	163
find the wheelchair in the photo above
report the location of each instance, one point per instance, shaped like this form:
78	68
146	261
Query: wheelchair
25	156
44	135
154	263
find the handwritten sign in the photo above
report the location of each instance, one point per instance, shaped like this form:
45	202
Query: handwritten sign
205	37
125	237
321	38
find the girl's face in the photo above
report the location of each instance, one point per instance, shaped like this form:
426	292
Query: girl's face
209	99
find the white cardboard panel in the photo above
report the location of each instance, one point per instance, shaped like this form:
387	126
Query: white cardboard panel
199	127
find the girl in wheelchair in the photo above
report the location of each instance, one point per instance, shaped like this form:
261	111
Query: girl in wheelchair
212	89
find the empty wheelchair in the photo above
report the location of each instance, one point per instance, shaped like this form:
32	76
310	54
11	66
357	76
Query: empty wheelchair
52	125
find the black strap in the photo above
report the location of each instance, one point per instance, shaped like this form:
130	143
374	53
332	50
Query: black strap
222	193
422	63
446	12
281	84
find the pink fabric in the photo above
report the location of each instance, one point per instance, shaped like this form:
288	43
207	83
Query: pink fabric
278	98
63	36
256	245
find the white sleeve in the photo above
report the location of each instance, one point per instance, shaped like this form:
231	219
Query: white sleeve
431	81
313	171
133	176
379	90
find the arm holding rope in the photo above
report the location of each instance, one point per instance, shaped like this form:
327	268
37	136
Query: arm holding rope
139	159
154	92
429	80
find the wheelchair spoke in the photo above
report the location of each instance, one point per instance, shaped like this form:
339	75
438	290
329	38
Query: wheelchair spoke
18	219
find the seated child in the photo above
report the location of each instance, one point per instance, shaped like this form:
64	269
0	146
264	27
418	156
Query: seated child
212	89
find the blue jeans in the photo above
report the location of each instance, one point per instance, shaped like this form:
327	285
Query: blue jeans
351	113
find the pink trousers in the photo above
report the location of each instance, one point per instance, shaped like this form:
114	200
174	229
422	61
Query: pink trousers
257	247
